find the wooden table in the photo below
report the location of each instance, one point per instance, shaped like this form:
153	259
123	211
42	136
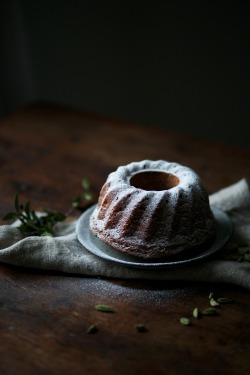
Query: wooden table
44	154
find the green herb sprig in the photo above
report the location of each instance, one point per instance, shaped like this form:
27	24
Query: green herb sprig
32	224
85	197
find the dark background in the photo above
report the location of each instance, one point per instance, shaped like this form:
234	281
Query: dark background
182	65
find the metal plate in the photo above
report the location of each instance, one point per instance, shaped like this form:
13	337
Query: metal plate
224	229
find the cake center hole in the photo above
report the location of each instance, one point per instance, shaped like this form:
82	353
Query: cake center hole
153	180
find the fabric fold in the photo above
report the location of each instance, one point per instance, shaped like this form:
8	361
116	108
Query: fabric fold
64	252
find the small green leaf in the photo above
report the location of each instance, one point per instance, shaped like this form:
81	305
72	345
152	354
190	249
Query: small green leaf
59	216
34	215
46	234
27	209
85	184
76	202
10	216
87	196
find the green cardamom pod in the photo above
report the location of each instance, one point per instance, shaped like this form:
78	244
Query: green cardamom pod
213	302
185	321
224	300
141	327
209	311
104	308
196	313
92	329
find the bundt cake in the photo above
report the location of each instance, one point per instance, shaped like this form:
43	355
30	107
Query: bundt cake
153	209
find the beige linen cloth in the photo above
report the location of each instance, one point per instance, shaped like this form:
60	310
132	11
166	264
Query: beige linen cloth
64	253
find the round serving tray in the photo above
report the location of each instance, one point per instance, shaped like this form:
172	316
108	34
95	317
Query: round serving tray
95	246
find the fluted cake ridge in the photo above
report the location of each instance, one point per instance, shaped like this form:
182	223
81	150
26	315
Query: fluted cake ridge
153	209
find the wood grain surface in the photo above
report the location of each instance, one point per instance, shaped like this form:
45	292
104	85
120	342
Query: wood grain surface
44	153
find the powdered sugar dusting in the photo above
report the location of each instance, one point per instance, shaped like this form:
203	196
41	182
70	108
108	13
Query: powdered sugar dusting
152	224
